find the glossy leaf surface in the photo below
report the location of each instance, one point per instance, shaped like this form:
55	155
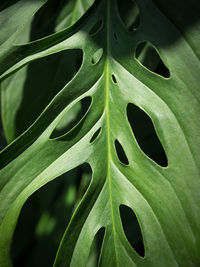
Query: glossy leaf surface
165	200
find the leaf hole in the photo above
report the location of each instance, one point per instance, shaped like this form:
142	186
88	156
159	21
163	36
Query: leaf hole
145	134
97	56
85	177
96	28
46	19
120	153
95	135
38	83
148	56
71	118
114	78
129	13
132	229
95	250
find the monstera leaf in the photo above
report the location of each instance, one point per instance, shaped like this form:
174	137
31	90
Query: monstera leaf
116	86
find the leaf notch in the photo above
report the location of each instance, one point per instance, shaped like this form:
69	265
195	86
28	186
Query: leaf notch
121	153
72	118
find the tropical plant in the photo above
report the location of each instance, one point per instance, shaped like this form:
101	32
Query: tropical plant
110	90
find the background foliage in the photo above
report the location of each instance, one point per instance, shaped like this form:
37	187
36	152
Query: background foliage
105	96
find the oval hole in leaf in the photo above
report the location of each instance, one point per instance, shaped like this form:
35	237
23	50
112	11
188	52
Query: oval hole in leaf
95	135
129	14
97	56
132	229
95	250
148	56
44	217
120	153
114	78
115	36
96	28
72	117
85	177
145	134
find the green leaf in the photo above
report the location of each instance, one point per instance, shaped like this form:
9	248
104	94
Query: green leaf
72	12
165	200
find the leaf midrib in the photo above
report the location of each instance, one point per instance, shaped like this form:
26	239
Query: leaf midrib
107	117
